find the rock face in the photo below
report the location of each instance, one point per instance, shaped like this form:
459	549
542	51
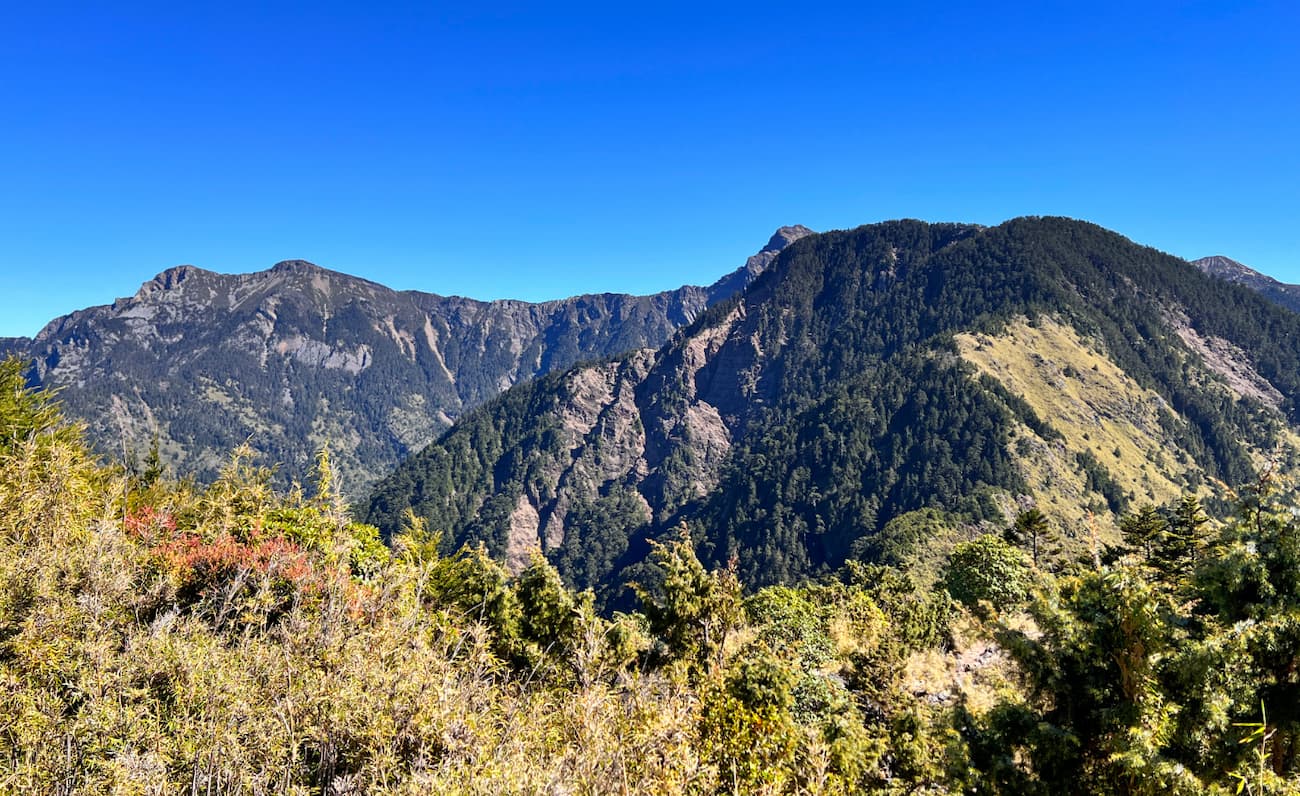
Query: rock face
871	373
297	357
1232	271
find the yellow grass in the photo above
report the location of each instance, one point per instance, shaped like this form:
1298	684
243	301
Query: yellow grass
1076	389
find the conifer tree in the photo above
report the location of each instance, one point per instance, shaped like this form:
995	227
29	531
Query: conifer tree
692	610
1144	531
1031	530
1181	546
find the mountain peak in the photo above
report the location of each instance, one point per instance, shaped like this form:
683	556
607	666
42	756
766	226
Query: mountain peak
296	267
785	236
170	279
739	279
1228	269
181	349
1218	259
1225	268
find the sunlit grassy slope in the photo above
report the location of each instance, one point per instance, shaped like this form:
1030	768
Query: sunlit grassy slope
1076	389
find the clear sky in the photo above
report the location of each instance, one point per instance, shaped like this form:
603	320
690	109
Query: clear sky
537	151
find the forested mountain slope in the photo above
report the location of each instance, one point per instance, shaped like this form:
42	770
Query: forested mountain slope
869	374
297	357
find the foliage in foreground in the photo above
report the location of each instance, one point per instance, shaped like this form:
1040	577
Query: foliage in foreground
159	638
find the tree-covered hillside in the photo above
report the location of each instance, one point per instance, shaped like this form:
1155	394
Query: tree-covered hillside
852	384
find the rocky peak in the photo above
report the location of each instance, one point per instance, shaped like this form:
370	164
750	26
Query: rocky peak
303	273
1226	268
738	280
785	236
166	286
170	279
297	267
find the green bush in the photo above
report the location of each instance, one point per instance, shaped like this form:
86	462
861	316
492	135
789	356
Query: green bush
988	569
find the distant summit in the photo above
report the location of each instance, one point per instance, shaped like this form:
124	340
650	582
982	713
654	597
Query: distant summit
170	279
785	236
1232	271
738	280
1226	268
296	267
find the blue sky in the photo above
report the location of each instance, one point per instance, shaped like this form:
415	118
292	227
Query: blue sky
537	151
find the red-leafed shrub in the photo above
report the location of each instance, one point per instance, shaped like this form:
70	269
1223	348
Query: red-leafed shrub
148	525
223	567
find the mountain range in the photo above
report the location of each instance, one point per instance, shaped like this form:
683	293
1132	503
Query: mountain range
297	357
876	393
863	393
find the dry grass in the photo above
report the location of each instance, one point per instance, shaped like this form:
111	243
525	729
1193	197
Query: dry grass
1076	389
